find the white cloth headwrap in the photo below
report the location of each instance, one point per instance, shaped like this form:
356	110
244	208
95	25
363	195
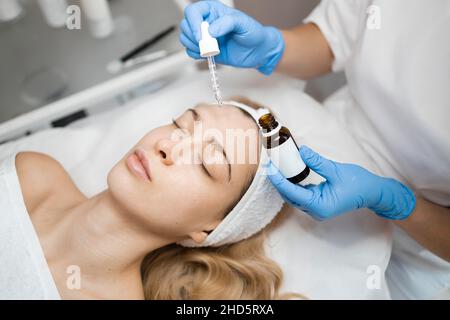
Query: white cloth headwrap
255	210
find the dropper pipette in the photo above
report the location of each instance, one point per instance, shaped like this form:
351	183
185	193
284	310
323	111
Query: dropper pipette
214	79
209	48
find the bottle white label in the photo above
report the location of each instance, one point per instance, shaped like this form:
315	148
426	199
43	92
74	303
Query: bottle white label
287	158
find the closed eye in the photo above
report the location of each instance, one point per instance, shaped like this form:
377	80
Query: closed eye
202	164
205	170
176	125
174	122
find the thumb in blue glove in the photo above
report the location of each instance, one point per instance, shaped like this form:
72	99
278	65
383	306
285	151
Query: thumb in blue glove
243	41
347	187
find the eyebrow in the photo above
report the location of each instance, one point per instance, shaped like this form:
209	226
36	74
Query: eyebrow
196	117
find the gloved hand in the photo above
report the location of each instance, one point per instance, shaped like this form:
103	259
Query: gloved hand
243	42
347	187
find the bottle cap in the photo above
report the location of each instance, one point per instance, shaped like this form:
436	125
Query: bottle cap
209	46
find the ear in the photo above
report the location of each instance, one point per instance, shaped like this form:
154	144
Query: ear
198	236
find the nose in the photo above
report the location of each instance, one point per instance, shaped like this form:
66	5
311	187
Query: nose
163	149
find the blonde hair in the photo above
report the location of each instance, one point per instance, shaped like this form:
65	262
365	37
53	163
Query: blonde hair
235	271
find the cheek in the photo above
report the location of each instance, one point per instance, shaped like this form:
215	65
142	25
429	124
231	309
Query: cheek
168	207
173	206
190	202
182	192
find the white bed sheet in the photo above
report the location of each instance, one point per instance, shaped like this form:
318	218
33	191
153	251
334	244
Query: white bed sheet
326	260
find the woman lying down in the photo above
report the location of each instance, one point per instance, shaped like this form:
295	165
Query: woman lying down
168	226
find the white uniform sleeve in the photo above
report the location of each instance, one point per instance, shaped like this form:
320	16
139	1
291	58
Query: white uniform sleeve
341	22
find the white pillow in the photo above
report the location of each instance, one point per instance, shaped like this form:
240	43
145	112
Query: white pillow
320	260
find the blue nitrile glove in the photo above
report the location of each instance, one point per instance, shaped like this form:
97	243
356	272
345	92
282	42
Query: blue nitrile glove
243	41
347	187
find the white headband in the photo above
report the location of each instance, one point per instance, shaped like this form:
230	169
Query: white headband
255	210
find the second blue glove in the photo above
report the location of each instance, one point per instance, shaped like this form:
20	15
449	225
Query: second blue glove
243	41
347	187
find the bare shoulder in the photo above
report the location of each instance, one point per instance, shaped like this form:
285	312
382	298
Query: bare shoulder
41	177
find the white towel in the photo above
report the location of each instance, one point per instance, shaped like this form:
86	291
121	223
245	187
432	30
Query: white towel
24	273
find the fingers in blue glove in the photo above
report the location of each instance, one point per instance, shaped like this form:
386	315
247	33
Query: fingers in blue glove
188	44
292	192
197	12
326	168
193	55
229	23
185	30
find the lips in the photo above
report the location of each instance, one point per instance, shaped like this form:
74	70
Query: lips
138	163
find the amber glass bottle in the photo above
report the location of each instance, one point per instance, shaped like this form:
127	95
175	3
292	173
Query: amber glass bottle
282	149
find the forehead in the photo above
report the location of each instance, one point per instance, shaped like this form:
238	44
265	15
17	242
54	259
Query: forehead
240	135
232	122
225	116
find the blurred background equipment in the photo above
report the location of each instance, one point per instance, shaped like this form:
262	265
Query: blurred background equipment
9	10
49	72
98	14
54	12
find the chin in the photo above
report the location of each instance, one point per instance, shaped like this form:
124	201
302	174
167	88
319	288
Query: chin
120	183
126	190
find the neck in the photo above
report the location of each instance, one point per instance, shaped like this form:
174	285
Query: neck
102	239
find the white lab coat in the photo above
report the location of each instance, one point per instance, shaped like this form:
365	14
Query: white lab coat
396	57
